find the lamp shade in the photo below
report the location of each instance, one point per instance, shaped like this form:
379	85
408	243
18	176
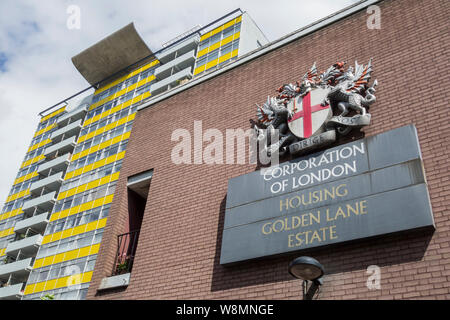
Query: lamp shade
306	268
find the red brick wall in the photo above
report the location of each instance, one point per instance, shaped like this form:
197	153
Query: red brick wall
179	246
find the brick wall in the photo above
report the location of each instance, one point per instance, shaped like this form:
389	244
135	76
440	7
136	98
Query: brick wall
179	246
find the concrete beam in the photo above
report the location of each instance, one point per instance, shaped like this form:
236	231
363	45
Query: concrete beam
112	54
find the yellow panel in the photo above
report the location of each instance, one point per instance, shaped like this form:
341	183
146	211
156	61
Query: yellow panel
216	61
107	128
39	287
220	28
50	285
116	108
214	46
38	145
132	74
82	207
95	165
37	264
199	69
31	161
87	276
51	115
225	57
25	177
29	289
63	282
122	92
218	44
220	59
202	52
66	233
11	214
100	146
89	185
229	24
69	255
2	252
7	232
212	63
59	283
74	231
44	130
18	195
58	259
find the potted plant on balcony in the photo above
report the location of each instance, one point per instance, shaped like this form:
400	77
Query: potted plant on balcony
122	267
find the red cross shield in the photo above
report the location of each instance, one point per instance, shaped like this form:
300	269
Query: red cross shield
309	115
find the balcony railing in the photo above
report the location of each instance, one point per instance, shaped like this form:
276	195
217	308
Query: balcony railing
73	115
12	292
171	81
56	164
37	222
44	202
67	131
62	147
126	249
19	268
28	246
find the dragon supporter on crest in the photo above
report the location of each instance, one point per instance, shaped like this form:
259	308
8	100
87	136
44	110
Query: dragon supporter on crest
300	118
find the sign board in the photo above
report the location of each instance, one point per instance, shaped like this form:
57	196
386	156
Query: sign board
370	187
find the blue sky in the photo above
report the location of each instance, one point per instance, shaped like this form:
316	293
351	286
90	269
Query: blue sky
36	49
3	61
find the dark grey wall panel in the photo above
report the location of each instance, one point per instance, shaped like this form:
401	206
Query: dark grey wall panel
393	211
386	179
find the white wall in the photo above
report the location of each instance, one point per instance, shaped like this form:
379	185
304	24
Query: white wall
250	33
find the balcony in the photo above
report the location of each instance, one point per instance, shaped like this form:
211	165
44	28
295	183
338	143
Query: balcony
37	223
67	131
44	202
171	81
28	246
12	292
126	249
179	49
56	165
73	115
19	269
64	146
182	62
51	183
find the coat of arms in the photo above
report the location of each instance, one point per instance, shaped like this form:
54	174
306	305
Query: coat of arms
302	113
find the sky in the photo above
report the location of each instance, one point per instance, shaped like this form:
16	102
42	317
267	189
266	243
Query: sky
36	47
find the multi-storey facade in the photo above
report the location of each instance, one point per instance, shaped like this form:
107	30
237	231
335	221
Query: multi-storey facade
185	230
85	220
52	222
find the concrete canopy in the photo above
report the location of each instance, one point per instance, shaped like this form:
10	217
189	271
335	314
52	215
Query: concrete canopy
112	54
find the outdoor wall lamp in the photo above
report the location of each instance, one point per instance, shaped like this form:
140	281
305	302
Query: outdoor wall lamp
307	269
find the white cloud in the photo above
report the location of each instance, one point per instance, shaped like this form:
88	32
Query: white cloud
36	47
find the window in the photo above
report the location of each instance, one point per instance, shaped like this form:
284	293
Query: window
204	44
201	61
215	38
228	32
43	274
213	55
138	188
226	49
